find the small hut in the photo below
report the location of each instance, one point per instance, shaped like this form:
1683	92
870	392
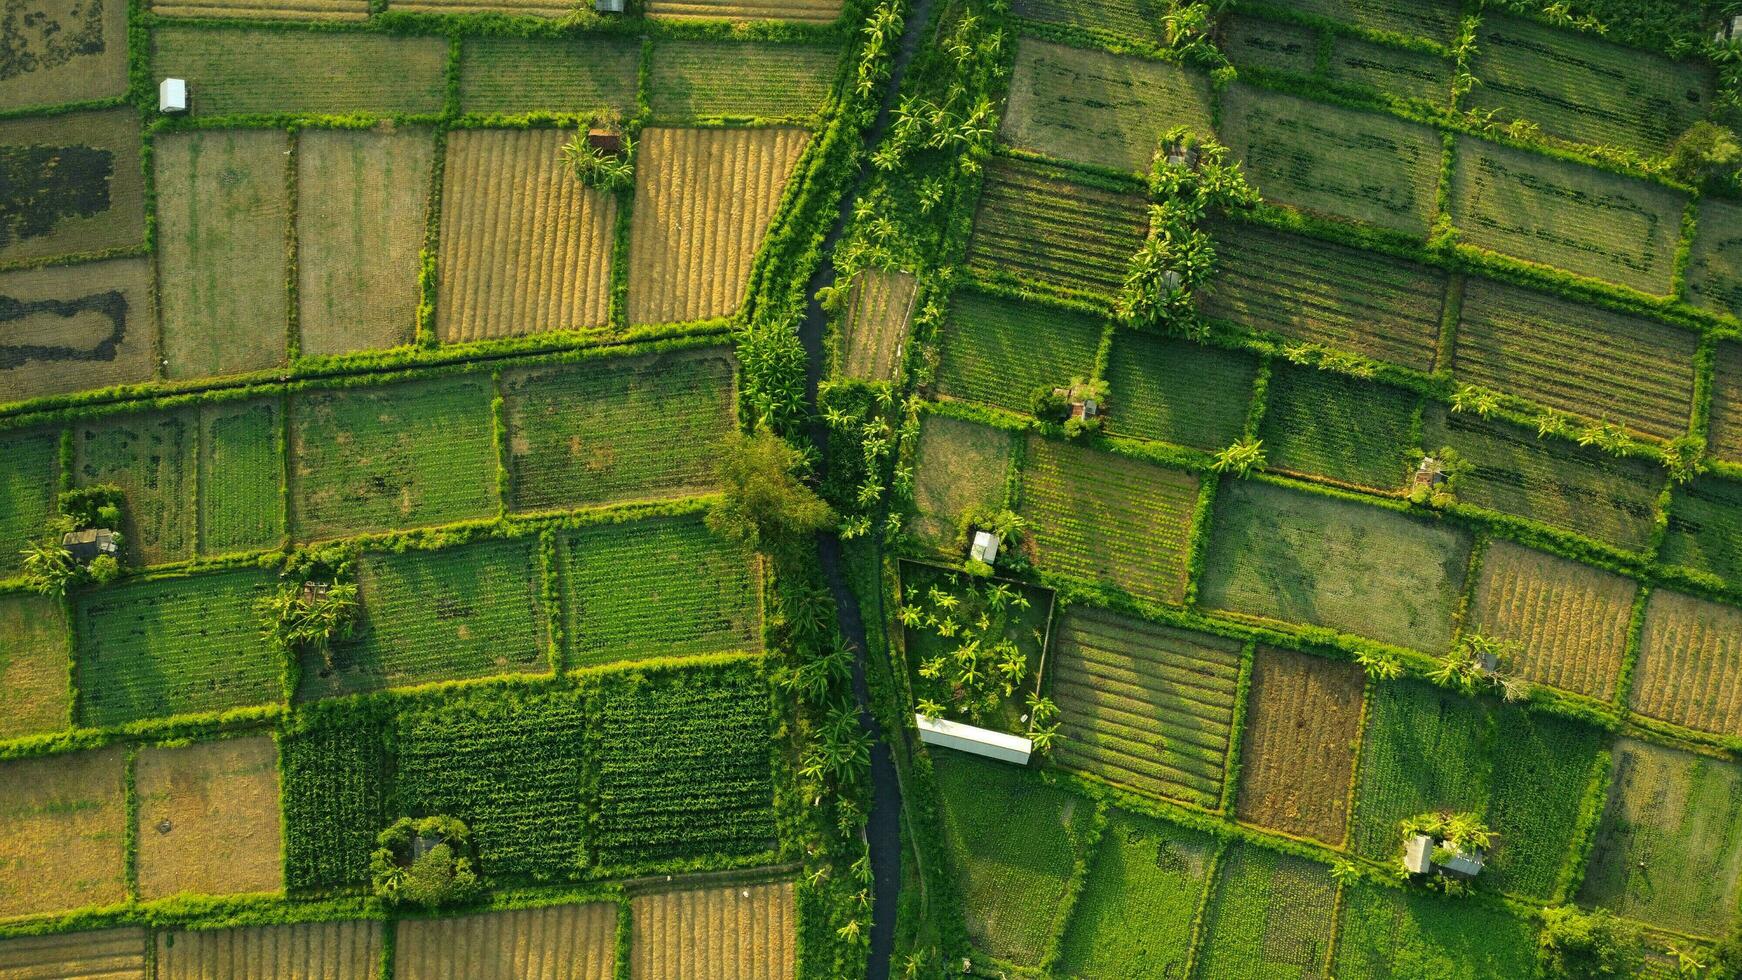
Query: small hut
90	543
172	96
1083	404
608	6
1418	859
984	548
1180	154
1729	30
1429	475
608	142
313	592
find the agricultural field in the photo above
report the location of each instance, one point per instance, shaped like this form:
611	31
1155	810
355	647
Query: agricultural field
1340	428
1268	916
1432	20
1715	260
334	786
306	949
108	954
1705	529
1321	293
802	11
1098	108
151	457
73	184
63	825
729	933
703	200
1298	557
1553	212
767	81
1108	518
1399	932
1690	663
532	8
1268	45
1725	436
1002	352
557	942
874	330
1173	390
1035	224
1142	705
28	484
959	469
325	10
1669	847
253	71
1329	160
208	818
1133	920
511	75
33	666
71	327
1565	624
1303	723
1116	18
1571	357
1402	72
241	476
72	51
525	246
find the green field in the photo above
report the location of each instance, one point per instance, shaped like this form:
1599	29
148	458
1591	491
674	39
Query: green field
766	81
1557	213
524	74
1133	920
657	587
1398	71
1121	18
1715	261
959	469
1705	529
241	476
1176	391
173	646
1306	558
1318	423
1108	518
391	456
1250	42
1401	932
1434	20
249	71
33	666
454	614
151	457
609	430
1268	917
333	781
1320	293
1034	224
1725	435
1002	351
27	490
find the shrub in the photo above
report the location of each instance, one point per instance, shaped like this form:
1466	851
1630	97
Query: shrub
309	621
49	567
764	504
87	507
598	169
441	875
1704	151
1575	944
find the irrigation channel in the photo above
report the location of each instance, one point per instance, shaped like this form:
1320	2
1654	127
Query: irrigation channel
884	826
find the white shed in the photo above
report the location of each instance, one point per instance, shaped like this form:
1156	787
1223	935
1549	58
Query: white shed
1418	854
977	741
172	96
985	547
608	6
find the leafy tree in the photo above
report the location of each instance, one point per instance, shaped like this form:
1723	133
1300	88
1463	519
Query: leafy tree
49	568
1240	459
310	623
1704	151
597	168
441	875
764	503
1576	944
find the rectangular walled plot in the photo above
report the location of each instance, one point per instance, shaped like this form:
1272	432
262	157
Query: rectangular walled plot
70	184
1725	435
254	71
1001	352
352	10
108	954
524	74
209	818
1395	932
687	79
69	328
1705	529
959	470
874	331
1033	223
730	933
63	827
1119	18
29	483
1566	622
804	11
334	787
67	51
557	942
241	476
1715	261
1434	20
1268	916
1302	728
1343	429
1134	917
151	457
1690	663
1173	390
33	666
304	951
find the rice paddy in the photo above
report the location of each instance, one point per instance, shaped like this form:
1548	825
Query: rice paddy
1690	660
1566	623
152	459
1339	428
1034	224
874	331
510	75
73	327
245	71
1175	391
72	51
1001	352
73	184
33	666
767	81
208	818
556	942
63	825
959	470
1303	724
733	933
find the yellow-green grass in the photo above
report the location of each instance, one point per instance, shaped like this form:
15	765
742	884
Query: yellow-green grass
241	476
33	666
530	8
1558	213
1565	623
63	829
360	214
1002	352
75	327
1669	847
173	646
391	456
266	9
959	470
28	483
1573	488
1387	932
1690	663
1569	356
1343	429
732	933
304	950
874	330
1401	72
1133	920
1297	758
1108	518
1173	390
79	184
451	614
66	51
557	942
1581	88
1725	435
526	248
1035	224
1251	42
1317	292
1014	840
804	11
1298	557
1143	705
690	79
617	429
208	818
1098	108
1139	19
1705	529
1269	916
222	207
253	71
1715	260
512	75
152	458
1334	161
1435	20
703	200
108	954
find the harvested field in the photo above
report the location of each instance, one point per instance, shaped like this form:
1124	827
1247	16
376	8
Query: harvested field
208	818
241	474
63	822
767	81
1001	351
1345	429
359	229
807	11
1577	358
703	200
1132	533
1395	71
1099	108
266	9
1690	664
1330	160
1725	435
253	71
305	951
1586	221
1250	42
533	8
528	74
152	458
1303	724
959	469
1317	292
1298	557
33	666
1669	847
1435	20
1705	529
1034	224
1143	705
111	954
1267	917
874	331
616	429
66	51
222	207
525	247
1173	390
72	327
1405	932
557	942
70	183
730	933
1115	18
391	456
29	483
1133	920
1567	622
1715	261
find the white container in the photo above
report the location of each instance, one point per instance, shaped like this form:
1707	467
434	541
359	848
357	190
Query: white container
172	96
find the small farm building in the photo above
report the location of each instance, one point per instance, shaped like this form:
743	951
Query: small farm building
172	95
90	543
1418	854
1730	29
608	6
977	741
1431	473
985	547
